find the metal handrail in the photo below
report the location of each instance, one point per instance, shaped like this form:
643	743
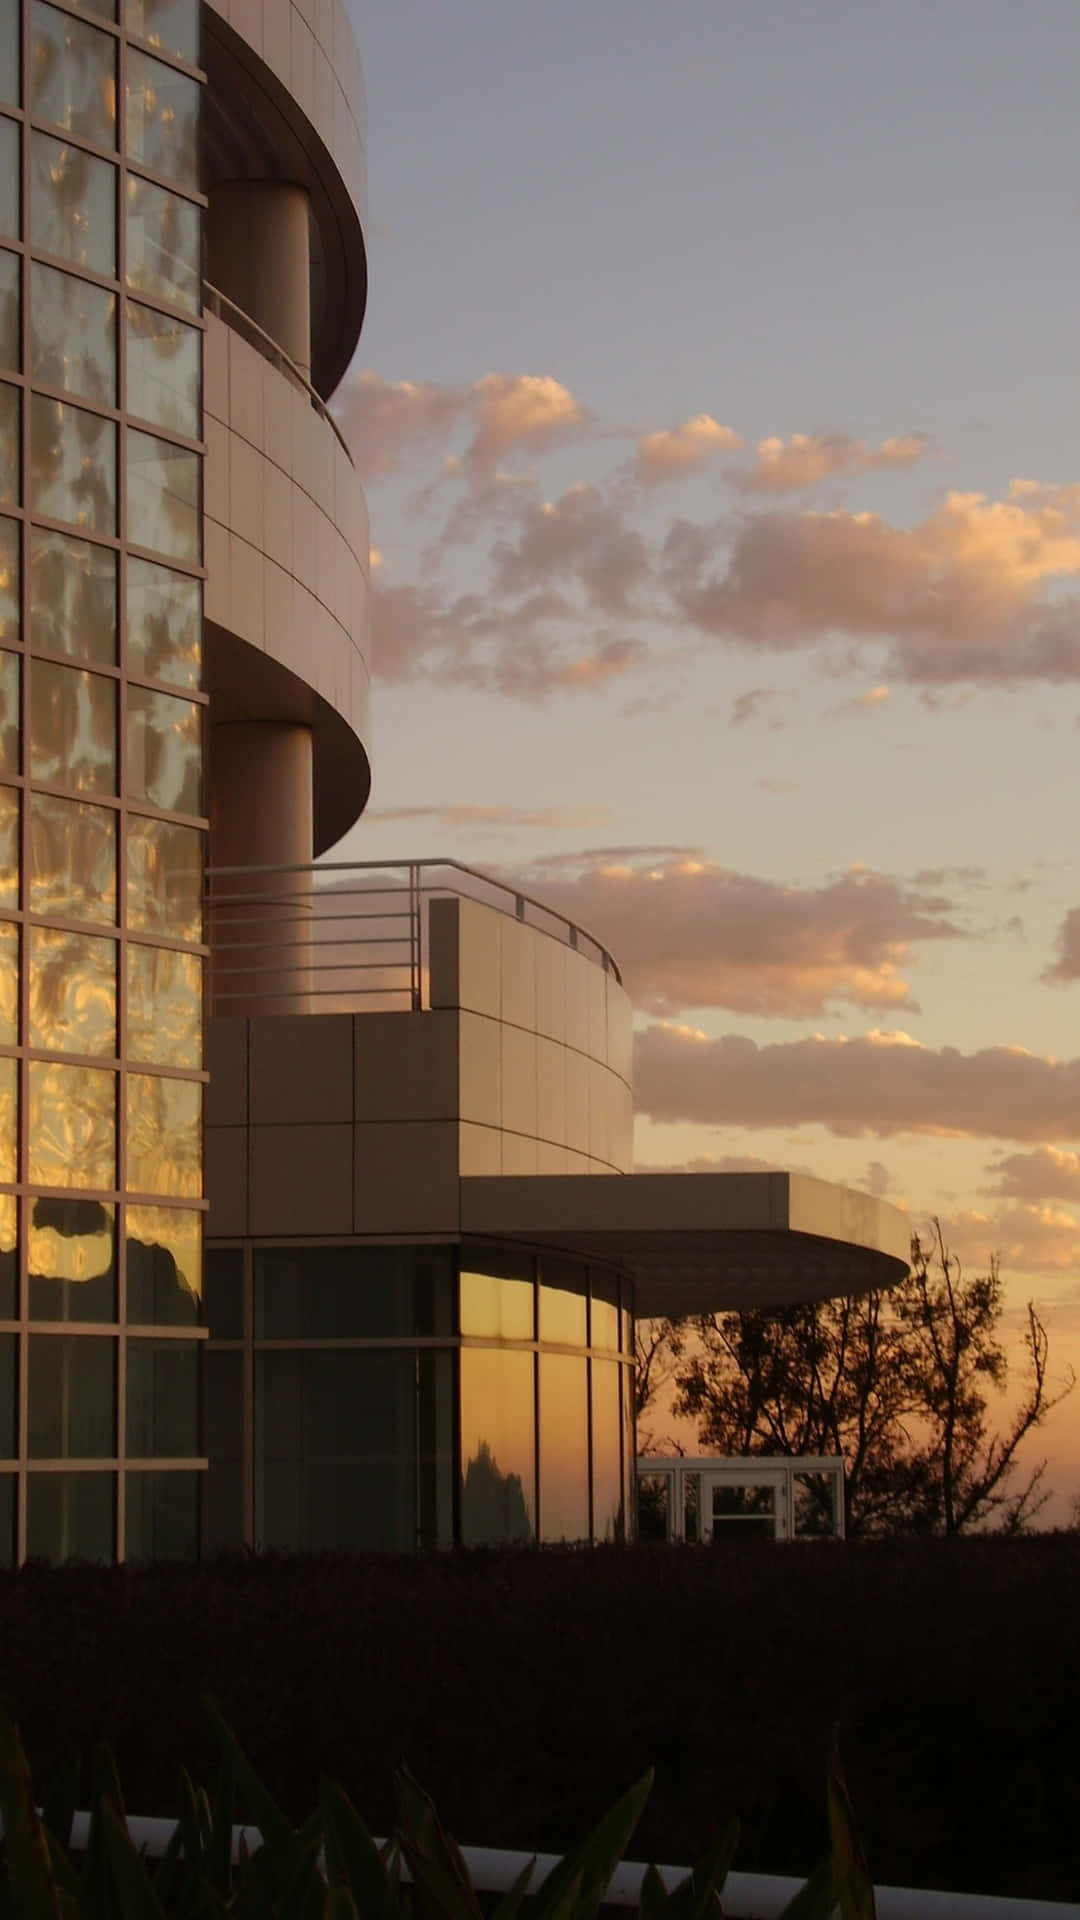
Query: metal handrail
223	308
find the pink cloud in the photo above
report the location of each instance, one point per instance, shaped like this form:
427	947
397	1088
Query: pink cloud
804	461
1046	1173
676	451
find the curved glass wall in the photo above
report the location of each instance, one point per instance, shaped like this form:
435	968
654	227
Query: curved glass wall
101	811
364	1397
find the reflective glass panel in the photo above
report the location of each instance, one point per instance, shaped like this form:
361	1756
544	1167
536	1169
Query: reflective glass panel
72	992
223	1280
8	1397
10	75
72	75
604	1310
74	205
164	1266
815	1502
9	713
10	173
606	1452
563	1305
9	983
164	624
7	1519
9	445
72	728
498	1446
72	1126
9	580
164	1135
72	465
162	119
9	1121
164	1006
164	370
437	1455
106	8
161	1516
162	1399
223	1438
71	1516
72	335
9	1242
164	878
653	1506
163	498
164	750
171	25
72	1258
629	1438
497	1303
72	1392
351	1292
10	340
72	597
164	245
72	859
564	1447
9	847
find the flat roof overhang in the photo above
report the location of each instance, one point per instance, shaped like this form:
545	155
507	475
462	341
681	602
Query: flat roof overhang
702	1242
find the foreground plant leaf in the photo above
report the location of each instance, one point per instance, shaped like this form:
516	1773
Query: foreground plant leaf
31	1889
578	1884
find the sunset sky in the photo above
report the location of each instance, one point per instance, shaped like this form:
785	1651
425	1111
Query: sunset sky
719	416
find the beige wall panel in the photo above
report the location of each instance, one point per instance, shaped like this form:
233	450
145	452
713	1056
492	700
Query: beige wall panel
301	1180
227	1065
480	1069
406	1177
622	1136
551	959
578	970
301	1068
577	1102
479	958
406	1066
620	1032
550	1091
550	1159
518	1154
226	1176
518	1073
601	1090
518	945
480	1149
596	989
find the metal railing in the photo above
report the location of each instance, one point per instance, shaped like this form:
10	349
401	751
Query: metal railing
347	936
219	304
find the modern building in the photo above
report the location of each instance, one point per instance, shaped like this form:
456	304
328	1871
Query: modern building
362	1240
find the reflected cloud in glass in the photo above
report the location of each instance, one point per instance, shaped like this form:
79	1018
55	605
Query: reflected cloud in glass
164	1135
72	992
72	1259
73	212
72	597
72	859
71	1126
164	624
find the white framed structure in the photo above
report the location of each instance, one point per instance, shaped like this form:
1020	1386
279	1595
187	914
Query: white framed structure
748	1497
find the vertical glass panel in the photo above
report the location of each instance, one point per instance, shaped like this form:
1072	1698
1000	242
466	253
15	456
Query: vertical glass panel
164	878
629	1440
72	335
164	1135
72	465
164	1006
815	1505
106	8
72	75
626	1321
604	1323
71	1516
72	728
223	1485
164	750
72	1394
72	597
164	370
563	1306
10	331
162	119
164	624
72	1126
9	1121
498	1446
8	1397
164	1266
497	1301
171	25
161	1516
9	446
335	1450
606	1451
9	984
162	1399
163	498
10	64
654	1506
437	1463
351	1292
72	859
164	245
9	713
74	205
692	1508
223	1280
9	1256
7	1519
9	580
72	1257
9	847
72	992
564	1447
10	174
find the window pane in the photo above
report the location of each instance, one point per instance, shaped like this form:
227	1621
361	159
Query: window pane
72	859
161	1516
72	992
164	878
7	1519
72	1258
8	1397
164	245
164	624
9	847
10	76
9	983
74	205
162	119
72	335
71	1516
164	1006
10	173
9	713
72	597
72	465
172	25
162	1399
9	580
351	1292
164	370
164	1266
223	1489
10	340
604	1311
164	1135
9	446
106	8
654	1506
73	75
606	1453
72	728
498	1439
163	498
72	1391
72	1126
164	750
437	1461
9	1241
335	1451
563	1306
815	1502
564	1448
9	1121
499	1301
223	1279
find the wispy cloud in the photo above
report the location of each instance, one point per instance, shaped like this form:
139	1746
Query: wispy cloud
673	452
1046	1173
461	816
503	412
807	459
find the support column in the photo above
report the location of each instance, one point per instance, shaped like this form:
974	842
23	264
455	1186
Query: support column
258	256
261	817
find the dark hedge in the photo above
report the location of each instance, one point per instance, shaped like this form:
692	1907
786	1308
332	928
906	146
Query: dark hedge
526	1690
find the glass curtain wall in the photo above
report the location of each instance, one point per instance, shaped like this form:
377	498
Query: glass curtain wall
101	808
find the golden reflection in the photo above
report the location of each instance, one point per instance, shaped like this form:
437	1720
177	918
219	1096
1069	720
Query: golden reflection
74	204
164	1006
162	119
564	1447
164	252
163	498
604	1310
71	1126
164	1135
9	446
9	581
164	878
164	624
164	1265
72	728
72	597
9	713
72	465
73	75
497	1305
72	859
9	1245
10	330
9	847
171	25
72	335
606	1464
10	170
9	1119
72	992
9	984
498	1438
562	1303
164	750
71	1257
